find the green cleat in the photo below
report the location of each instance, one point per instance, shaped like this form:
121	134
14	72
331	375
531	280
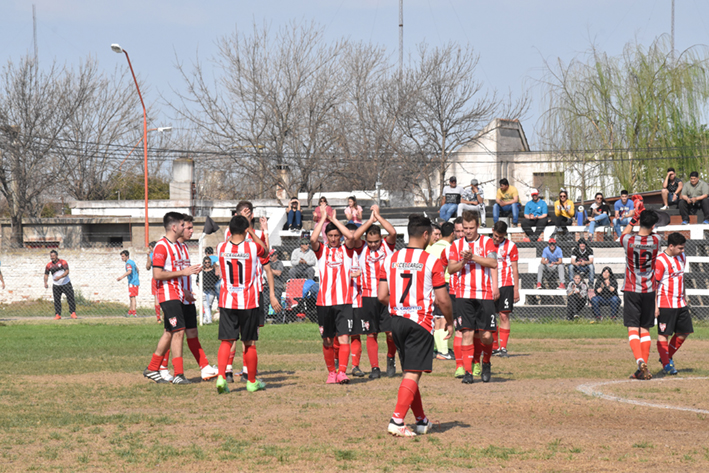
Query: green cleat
460	372
257	385
477	369
222	387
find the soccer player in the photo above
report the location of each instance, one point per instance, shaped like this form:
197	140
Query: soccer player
452	290
153	281
475	258
507	281
334	304
190	311
437	249
168	271
61	284
133	281
639	291
239	299
372	311
409	281
671	312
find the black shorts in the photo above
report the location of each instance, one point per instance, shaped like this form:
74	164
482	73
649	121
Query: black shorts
673	321
360	322
414	343
190	313
639	309
174	316
377	314
476	314
335	320
234	323
506	302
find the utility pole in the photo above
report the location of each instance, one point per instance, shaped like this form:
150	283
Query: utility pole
401	37
34	34
672	33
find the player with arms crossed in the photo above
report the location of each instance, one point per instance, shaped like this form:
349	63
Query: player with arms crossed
508	282
133	281
475	258
641	252
409	282
672	313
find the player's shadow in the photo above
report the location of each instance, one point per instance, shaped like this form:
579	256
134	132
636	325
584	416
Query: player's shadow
268	373
274	379
499	379
515	355
445	426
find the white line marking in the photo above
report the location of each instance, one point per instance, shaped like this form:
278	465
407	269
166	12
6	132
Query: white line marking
589	389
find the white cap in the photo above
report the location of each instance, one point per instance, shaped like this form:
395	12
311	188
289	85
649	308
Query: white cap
534	192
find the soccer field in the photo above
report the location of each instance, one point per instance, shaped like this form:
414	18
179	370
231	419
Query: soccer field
74	399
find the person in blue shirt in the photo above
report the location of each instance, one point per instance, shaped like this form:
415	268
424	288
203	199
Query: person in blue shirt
624	211
133	281
535	215
551	261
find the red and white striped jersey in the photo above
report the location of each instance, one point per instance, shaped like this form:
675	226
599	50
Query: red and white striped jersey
185	263
334	266
263	261
166	255
239	267
669	274
370	262
507	253
357	291
412	275
474	281
452	278
640	256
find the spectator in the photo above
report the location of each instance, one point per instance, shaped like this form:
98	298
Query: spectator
303	262
209	251
210	279
506	200
606	293
576	296
563	212
472	198
671	189
353	212
317	215
61	284
552	260
294	215
600	215
693	197
450	199
624	211
535	215
582	261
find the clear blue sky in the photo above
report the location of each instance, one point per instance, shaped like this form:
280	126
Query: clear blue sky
513	38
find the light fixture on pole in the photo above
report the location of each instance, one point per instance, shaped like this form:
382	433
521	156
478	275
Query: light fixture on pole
116	48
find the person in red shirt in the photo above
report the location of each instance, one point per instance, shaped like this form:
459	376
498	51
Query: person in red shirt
507	281
410	280
169	271
61	284
672	314
639	291
476	259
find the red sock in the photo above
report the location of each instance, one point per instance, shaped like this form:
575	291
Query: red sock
356	347
165	359
373	351
336	344
458	351
634	340
344	356
391	348
468	357
177	365
504	337
478	347
407	391
197	352
157	311
417	406
664	352
645	345
223	356
232	354
155	362
487	352
329	355
251	362
675	343
495	344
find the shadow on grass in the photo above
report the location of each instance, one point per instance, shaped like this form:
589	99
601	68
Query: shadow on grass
446	426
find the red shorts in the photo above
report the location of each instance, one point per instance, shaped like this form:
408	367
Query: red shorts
132	290
154	287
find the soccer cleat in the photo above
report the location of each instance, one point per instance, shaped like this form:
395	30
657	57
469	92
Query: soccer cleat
440	356
375	374
642	366
672	362
222	387
154	375
244	377
423	427
468	378
180	379
669	369
73	315
357	372
158	319
391	367
229	376
477	369
165	374
503	353
399	430
257	385
209	372
342	378
446	356
57	317
459	372
496	352
486	373
331	377
637	375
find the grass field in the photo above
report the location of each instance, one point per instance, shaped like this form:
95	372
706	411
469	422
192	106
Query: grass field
73	399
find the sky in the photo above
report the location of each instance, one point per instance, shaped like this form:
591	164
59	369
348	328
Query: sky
513	37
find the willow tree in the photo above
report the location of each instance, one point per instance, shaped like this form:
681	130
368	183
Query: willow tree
627	117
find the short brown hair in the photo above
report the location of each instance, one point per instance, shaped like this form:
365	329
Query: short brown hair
471	216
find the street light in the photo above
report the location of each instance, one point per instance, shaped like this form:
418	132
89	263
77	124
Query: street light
160	129
116	48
